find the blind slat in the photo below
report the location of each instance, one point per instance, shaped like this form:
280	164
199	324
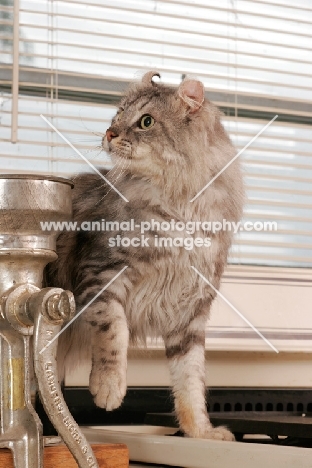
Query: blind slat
171	30
175	15
158	55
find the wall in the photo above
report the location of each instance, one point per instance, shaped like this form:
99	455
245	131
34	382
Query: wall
277	301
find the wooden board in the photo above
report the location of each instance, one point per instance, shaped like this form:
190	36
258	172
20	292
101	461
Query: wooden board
107	455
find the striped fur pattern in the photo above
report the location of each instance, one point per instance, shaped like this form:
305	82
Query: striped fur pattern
159	170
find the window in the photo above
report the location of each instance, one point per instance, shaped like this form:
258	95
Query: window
76	57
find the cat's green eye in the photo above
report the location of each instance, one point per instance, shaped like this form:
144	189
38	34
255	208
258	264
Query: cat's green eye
146	122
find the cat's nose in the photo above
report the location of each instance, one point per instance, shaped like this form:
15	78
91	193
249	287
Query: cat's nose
110	135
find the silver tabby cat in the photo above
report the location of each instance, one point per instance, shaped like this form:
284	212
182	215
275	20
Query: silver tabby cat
167	145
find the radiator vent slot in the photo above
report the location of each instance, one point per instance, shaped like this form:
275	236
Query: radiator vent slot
270	400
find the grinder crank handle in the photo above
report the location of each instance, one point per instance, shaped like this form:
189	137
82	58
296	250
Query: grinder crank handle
49	308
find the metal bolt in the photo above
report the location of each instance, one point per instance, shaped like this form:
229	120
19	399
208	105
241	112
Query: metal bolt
66	305
61	307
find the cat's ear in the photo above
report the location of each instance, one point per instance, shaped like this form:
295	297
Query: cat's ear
147	79
192	92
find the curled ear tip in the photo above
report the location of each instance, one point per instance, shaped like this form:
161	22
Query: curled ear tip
148	77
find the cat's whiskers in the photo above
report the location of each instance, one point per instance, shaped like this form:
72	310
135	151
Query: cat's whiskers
115	176
123	148
108	191
125	165
100	186
86	152
98	202
95	148
98	134
123	169
115	168
99	147
89	130
121	163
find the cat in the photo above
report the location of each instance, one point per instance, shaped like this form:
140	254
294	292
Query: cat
167	144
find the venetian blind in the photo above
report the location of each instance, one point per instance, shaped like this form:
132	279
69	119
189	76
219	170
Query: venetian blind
70	60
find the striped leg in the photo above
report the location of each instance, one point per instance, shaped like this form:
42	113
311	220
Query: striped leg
186	356
110	340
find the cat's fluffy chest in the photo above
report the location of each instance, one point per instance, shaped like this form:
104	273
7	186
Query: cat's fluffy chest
163	288
166	290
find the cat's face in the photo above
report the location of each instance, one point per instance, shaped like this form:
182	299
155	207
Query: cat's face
153	125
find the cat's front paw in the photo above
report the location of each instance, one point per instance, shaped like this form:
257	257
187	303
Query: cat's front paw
219	433
108	387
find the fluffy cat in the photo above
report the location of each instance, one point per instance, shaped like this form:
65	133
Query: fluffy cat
167	145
